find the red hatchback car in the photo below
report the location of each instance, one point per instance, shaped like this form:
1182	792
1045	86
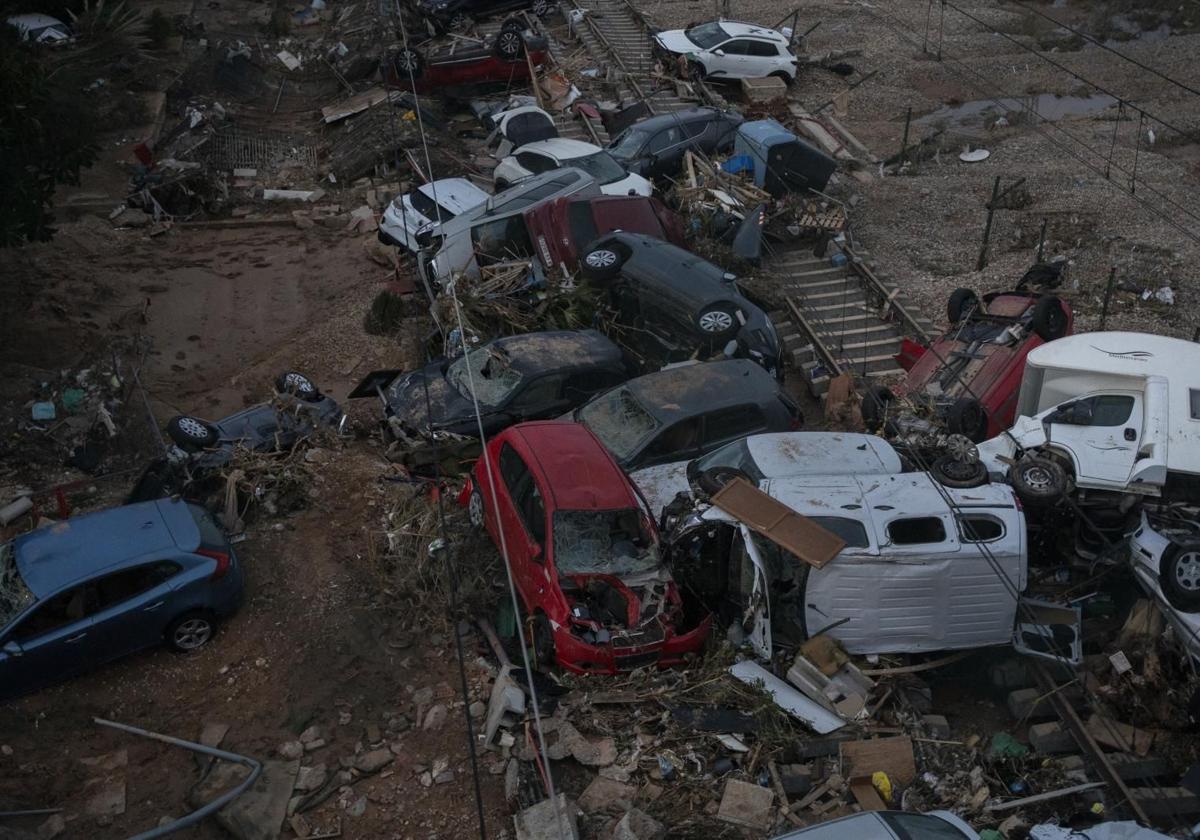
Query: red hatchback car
500	60
584	551
970	376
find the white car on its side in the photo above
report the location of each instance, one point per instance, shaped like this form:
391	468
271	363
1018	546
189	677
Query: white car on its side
427	205
544	155
726	49
41	29
1165	554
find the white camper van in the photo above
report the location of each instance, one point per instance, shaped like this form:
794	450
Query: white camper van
1109	411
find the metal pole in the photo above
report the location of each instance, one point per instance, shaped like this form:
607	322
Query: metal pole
1112	281
981	263
904	142
1042	240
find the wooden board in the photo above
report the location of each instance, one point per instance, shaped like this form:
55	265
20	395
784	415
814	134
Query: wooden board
865	794
778	523
353	105
893	756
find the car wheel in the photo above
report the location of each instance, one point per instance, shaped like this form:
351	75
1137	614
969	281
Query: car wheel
541	8
787	80
543	642
460	22
1049	321
191	432
962	303
408	64
601	264
475	510
1179	573
718	320
968	418
189	632
297	385
951	472
875	407
713	480
1038	482
510	44
696	71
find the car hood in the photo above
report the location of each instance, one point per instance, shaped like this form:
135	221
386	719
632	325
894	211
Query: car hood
446	406
661	484
676	41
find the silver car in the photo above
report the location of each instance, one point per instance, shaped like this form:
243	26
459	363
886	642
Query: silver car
888	825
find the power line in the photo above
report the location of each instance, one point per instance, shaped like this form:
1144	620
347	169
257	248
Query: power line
1095	41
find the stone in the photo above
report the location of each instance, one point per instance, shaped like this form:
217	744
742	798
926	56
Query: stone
106	797
374	761
747	805
427	779
512	779
545	821
290	750
131	217
440	765
598	753
312	733
212	733
478	709
937	726
445	777
314	745
423	696
638	825
606	795
6	750
1014	826
1050	738
301	221
54	825
311	778
257	814
435	718
355	806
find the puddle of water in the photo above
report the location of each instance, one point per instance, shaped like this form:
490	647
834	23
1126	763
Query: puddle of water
1047	106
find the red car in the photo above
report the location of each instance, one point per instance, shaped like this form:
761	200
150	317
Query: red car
970	377
500	59
584	551
563	227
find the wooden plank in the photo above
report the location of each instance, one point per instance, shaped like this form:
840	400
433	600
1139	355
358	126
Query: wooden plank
353	105
779	523
865	794
893	756
1119	736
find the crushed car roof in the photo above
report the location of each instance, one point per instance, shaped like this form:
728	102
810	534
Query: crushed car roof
681	392
832	453
541	352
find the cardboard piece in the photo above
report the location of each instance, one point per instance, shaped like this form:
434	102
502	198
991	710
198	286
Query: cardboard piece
893	756
865	794
778	523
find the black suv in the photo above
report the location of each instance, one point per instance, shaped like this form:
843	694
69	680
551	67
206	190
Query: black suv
670	305
655	147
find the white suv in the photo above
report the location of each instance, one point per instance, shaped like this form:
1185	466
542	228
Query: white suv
557	152
726	49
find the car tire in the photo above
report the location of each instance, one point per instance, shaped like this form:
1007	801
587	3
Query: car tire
787	80
1037	481
603	264
191	433
459	22
696	71
190	631
874	407
407	62
713	480
541	8
961	304
297	385
951	472
542	639
476	513
1048	321
718	321
968	417
510	44
1179	575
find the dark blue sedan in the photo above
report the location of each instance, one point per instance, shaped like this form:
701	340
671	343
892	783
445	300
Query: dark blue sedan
85	591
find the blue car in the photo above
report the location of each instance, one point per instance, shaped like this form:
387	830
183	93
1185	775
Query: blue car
88	590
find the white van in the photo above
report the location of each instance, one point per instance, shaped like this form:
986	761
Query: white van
924	568
1116	411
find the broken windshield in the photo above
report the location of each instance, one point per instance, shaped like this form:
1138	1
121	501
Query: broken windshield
736	455
601	166
610	542
619	420
706	35
14	594
491	373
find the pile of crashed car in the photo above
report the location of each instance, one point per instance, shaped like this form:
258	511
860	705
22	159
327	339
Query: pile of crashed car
649	479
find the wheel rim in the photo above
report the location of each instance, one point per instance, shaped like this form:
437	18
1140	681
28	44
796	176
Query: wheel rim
407	60
540	7
1187	571
459	21
962	448
193	428
1038	478
959	470
192	634
298	383
475	510
510	42
601	259
716	322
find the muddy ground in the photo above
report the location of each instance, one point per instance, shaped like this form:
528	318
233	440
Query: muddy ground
221	310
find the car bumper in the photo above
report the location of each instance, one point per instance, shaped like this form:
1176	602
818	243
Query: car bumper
580	657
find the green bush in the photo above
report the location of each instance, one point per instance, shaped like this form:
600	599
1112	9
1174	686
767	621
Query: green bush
386	314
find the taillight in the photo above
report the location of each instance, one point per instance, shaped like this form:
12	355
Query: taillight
222	558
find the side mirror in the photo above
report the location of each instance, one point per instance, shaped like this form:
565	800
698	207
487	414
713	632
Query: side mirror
718	52
13	648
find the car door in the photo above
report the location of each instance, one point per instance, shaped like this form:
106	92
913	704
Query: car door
678	442
731	60
52	641
1102	432
522	516
762	58
665	151
134	606
730	424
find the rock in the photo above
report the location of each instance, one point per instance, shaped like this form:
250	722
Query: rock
301	221
55	825
512	779
607	795
478	709
379	253
544	821
337	221
440	765
257	814
290	750
747	805
311	778
373	761
1049	738
6	750
599	753
314	745
638	825
131	217
355	806
212	733
106	797
435	718
445	777
423	696
397	747
1014	826
427	779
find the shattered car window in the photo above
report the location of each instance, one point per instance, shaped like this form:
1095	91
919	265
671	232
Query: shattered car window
491	373
14	594
612	542
736	455
630	143
706	35
600	166
429	208
619	421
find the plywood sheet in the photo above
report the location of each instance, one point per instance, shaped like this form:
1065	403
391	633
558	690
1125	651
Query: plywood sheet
778	522
893	756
